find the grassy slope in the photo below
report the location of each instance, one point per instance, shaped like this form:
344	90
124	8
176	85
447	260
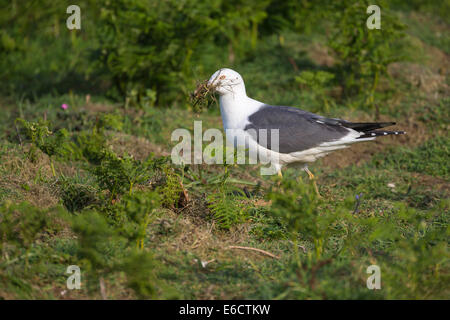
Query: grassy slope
398	177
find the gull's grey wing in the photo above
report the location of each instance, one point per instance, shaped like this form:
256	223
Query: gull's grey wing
298	130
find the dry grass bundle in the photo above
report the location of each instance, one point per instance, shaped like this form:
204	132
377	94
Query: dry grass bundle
203	96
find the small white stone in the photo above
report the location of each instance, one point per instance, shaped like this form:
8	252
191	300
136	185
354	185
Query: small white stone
204	263
391	185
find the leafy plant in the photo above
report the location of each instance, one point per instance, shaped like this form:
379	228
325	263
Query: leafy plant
103	243
66	63
119	174
21	224
94	236
172	188
109	121
147	46
316	81
299	207
229	206
362	54
420	256
140	269
93	144
76	196
48	142
135	212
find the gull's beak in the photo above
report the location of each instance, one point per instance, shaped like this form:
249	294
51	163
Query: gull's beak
213	81
210	87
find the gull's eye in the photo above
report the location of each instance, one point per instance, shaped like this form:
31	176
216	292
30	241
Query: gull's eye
222	77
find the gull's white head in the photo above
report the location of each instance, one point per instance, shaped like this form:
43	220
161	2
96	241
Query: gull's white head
226	81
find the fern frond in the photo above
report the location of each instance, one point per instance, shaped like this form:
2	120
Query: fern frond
229	207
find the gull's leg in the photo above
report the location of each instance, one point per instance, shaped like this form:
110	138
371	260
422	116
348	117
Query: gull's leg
280	174
312	179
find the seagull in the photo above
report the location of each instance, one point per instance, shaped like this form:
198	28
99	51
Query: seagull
303	136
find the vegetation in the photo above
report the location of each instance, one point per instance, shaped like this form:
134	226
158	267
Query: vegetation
85	177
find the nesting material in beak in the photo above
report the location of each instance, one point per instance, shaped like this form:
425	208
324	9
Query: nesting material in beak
201	95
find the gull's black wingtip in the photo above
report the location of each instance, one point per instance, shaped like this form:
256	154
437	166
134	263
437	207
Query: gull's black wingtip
366	126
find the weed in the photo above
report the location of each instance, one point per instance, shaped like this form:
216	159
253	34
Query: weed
50	143
76	197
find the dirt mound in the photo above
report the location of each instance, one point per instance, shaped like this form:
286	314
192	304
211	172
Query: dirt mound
320	55
418	76
29	181
139	147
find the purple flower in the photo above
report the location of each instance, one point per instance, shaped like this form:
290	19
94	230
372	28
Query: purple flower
64	106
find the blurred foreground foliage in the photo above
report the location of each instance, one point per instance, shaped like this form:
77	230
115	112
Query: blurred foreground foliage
145	52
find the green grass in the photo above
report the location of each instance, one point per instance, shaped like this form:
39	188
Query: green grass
392	224
430	29
167	234
429	158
